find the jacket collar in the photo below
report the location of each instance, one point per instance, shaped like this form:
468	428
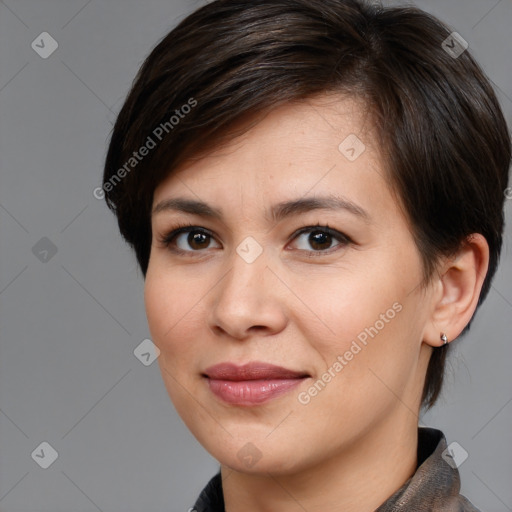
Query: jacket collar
434	487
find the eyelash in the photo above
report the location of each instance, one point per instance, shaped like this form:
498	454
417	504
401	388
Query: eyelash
167	240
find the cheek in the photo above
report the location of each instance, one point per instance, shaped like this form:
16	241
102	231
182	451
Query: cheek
367	332
155	301
364	380
175	316
170	319
164	308
344	306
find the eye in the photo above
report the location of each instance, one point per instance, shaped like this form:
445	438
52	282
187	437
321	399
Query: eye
181	239
320	238
194	239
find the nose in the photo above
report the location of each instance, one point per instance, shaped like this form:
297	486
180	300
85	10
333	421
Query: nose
248	300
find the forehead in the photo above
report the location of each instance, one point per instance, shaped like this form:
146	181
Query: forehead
314	156
290	142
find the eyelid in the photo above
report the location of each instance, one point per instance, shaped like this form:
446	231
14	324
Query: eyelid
326	229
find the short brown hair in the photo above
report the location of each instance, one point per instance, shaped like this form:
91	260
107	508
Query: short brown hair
439	122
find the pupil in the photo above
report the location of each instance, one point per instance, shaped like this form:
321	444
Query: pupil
195	238
318	236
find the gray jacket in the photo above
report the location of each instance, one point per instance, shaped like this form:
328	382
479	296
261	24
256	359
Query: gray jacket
433	488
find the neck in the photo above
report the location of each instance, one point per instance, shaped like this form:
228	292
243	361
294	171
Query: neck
355	479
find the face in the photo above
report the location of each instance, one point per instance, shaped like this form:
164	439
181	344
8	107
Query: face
301	258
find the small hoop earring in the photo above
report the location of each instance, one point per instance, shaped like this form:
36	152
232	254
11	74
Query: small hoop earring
444	339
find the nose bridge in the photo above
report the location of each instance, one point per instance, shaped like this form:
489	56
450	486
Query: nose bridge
246	279
245	296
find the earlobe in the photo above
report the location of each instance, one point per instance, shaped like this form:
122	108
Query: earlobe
459	283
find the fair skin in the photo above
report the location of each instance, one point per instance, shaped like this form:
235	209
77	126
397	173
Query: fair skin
354	442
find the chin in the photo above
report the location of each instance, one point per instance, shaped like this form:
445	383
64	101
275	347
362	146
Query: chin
255	457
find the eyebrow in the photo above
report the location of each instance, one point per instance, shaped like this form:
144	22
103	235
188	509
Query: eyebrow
277	212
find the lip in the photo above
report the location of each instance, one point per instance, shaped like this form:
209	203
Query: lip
251	371
251	384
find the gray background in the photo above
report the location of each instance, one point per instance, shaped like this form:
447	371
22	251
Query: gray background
70	321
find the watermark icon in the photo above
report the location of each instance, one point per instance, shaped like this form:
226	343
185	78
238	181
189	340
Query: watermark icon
249	455
455	45
44	45
44	249
304	397
150	143
45	455
454	455
146	352
249	249
351	147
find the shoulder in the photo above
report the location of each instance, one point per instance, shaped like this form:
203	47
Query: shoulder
435	486
211	498
466	506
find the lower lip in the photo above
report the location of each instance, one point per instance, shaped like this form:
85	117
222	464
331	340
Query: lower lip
251	392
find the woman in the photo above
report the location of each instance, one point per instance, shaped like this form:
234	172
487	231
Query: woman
314	191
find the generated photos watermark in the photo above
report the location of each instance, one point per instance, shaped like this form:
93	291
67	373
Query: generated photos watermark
355	348
157	135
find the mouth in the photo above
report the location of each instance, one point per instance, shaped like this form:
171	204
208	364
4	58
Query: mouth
251	384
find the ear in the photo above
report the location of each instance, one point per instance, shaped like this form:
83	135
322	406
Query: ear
456	290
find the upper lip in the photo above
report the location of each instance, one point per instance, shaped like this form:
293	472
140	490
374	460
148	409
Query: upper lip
251	371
